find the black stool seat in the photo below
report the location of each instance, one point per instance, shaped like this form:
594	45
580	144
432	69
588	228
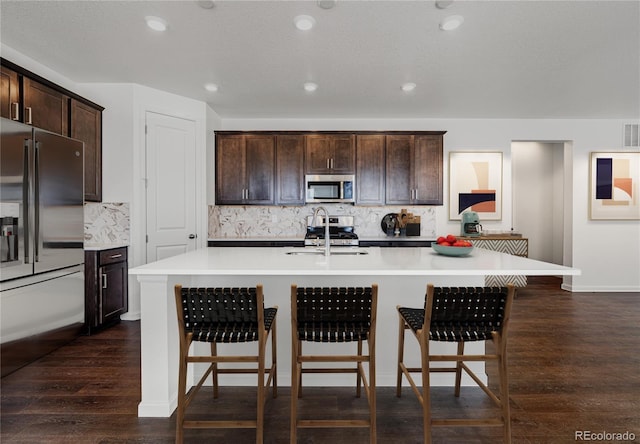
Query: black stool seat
446	331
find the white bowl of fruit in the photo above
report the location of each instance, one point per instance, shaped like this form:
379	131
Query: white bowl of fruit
450	245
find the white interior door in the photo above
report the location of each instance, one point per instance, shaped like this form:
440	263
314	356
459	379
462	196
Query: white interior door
171	186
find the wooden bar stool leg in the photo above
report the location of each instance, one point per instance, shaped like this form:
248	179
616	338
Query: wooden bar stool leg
504	388
400	356
459	369
182	385
372	393
358	365
426	387
214	372
274	365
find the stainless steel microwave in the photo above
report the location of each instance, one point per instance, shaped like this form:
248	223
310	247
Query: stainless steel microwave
330	188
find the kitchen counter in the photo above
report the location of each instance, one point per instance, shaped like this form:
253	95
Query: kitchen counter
380	241
105	246
401	274
379	261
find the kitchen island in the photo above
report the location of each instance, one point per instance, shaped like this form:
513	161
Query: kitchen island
401	274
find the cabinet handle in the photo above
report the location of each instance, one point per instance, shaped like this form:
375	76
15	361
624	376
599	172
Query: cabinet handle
416	194
331	163
15	108
28	119
247	191
115	256
328	163
104	280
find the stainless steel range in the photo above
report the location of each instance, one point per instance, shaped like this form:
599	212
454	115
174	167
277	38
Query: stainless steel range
341	231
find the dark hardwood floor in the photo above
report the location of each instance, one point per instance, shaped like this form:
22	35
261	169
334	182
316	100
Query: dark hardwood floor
574	366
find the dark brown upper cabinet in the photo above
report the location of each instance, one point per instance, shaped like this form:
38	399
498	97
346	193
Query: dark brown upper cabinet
245	169
86	125
268	167
370	171
414	169
31	99
330	154
9	94
45	107
290	170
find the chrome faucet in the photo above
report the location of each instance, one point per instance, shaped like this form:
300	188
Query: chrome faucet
326	227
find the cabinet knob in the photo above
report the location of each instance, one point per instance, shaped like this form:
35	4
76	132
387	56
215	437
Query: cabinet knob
192	236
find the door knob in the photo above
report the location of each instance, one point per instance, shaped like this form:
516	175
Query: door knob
192	236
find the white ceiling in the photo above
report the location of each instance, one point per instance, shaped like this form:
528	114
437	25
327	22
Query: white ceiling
509	59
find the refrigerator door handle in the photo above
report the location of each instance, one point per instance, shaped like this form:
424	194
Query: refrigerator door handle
25	194
36	202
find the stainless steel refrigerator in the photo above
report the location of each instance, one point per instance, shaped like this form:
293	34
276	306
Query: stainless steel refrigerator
41	209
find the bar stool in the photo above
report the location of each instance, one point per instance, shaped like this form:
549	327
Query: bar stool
459	314
224	315
334	315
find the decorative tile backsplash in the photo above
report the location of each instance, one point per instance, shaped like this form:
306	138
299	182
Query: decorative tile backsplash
290	222
106	223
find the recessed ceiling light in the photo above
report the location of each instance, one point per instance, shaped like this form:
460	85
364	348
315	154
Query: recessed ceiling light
408	87
452	22
327	4
443	4
211	87
304	22
310	86
156	23
205	4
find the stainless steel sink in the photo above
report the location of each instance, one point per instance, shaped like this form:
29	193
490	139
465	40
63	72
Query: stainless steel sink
336	251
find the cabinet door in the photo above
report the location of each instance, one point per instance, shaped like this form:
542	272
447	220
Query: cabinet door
318	153
343	154
370	169
114	300
330	154
398	169
230	160
290	170
9	94
260	158
427	170
86	125
45	108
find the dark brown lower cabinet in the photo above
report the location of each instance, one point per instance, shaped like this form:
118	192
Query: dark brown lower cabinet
106	287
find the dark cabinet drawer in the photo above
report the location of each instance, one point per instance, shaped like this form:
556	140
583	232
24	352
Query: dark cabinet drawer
112	256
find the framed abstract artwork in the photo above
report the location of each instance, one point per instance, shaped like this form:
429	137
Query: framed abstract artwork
475	184
615	186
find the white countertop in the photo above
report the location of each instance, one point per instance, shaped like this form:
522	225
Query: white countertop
399	261
100	247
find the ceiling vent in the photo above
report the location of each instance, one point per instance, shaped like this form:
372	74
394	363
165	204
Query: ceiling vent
632	135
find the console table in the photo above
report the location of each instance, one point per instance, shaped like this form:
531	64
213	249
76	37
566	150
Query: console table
515	245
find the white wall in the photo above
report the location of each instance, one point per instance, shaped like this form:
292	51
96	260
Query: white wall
214	122
538	197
